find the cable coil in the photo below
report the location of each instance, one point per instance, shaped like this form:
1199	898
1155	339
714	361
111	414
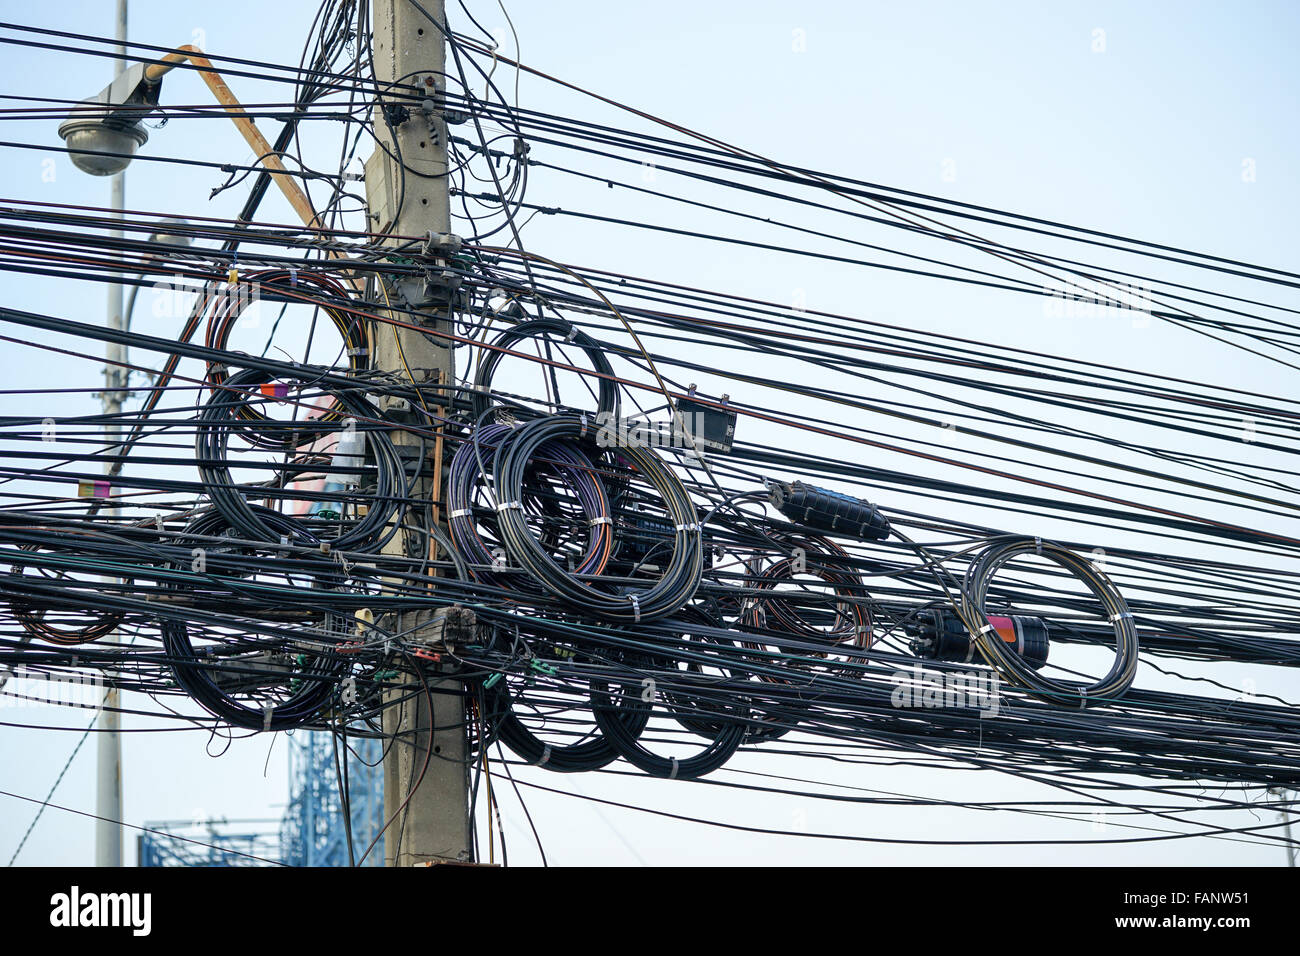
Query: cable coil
681	576
1011	665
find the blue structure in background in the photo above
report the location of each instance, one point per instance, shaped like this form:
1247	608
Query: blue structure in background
206	843
311	832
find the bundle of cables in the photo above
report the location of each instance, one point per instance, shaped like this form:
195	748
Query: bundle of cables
34	619
690	698
542	330
562	491
220	418
521	452
701	625
271	682
538	695
783	604
224	303
1011	665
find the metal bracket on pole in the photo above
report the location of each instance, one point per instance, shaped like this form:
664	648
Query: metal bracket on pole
447	629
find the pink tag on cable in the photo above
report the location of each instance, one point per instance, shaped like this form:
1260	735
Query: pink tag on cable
93	489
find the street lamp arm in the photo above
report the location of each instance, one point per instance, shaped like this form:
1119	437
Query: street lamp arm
154	73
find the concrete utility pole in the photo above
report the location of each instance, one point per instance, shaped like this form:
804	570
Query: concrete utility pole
433	820
108	789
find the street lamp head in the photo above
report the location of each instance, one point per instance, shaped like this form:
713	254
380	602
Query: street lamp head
99	147
170	232
103	132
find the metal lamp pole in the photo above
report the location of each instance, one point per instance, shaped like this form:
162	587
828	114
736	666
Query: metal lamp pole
108	791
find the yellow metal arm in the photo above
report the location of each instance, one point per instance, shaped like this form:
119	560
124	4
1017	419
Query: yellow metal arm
261	148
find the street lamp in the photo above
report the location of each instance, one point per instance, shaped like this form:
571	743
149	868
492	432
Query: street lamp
103	132
170	232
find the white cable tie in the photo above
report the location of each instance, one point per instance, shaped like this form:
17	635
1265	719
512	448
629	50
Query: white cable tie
1116	618
546	755
987	629
293	276
573	333
583	432
672	774
1038	545
507	505
267	714
686	527
602	520
636	609
358	351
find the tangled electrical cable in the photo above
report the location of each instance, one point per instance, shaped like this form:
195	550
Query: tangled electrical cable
222	306
274	687
608	392
1011	665
638	568
626	602
777	608
232	411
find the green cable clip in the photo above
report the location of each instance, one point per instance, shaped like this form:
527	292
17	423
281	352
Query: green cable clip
491	681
